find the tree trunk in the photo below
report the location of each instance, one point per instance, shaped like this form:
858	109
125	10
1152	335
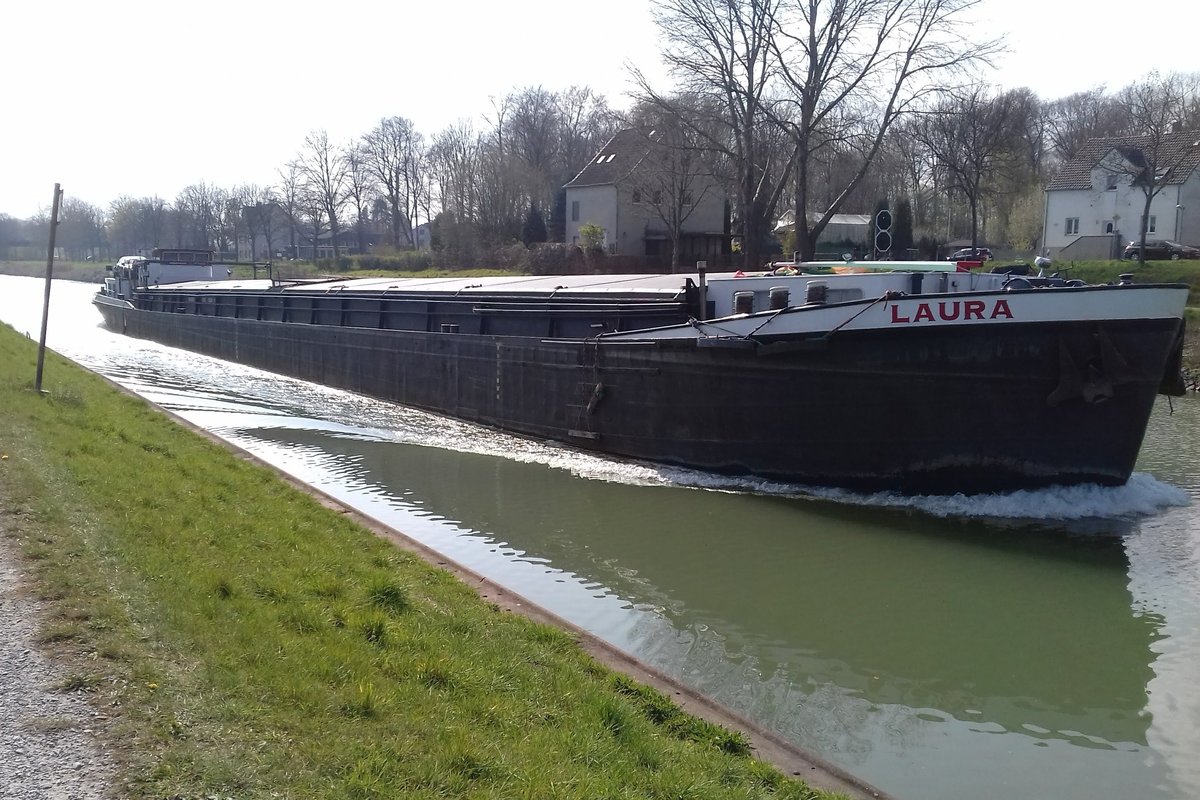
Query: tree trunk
1144	226
804	243
974	223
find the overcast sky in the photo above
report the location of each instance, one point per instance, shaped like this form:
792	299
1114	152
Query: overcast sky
130	97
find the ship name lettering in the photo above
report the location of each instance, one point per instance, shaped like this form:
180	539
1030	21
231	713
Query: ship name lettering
950	311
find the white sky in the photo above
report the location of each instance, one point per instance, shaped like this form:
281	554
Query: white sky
130	97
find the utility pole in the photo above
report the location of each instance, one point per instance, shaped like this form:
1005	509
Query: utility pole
49	272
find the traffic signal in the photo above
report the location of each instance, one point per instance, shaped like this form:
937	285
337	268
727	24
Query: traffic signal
883	233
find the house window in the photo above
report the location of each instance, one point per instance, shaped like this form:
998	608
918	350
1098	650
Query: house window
1108	227
687	198
1152	224
1111	182
575	211
1072	226
637	196
656	198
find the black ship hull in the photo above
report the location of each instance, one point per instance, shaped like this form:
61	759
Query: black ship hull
915	410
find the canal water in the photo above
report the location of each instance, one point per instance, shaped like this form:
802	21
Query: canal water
1036	644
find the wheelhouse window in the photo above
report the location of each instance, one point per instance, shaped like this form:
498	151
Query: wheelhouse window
1072	226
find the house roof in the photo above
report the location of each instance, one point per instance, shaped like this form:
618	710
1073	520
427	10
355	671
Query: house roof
614	161
1181	148
788	217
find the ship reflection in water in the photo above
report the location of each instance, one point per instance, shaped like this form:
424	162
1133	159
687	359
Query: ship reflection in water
1030	633
937	648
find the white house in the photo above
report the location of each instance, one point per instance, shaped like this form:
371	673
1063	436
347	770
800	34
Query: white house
612	191
1093	205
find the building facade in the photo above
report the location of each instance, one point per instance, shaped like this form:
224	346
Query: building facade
1094	205
624	190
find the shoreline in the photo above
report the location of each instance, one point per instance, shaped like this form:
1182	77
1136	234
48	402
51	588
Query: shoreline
764	745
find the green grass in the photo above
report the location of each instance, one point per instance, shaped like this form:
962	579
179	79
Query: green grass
250	642
86	271
1186	272
1152	272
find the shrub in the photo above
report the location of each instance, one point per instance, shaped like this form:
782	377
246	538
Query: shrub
555	258
591	237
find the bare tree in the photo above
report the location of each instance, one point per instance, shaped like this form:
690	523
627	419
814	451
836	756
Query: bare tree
291	194
1150	160
197	216
852	68
360	190
585	123
534	143
136	225
258	208
1072	120
10	233
673	178
834	75
229	222
455	157
974	140
393	152
721	50
325	173
314	221
80	228
155	218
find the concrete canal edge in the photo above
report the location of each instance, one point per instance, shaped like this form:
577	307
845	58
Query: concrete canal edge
766	745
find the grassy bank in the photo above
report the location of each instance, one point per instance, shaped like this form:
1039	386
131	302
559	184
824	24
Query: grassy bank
1153	272
86	271
1187	272
250	642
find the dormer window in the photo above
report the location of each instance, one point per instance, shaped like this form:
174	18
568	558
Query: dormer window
1110	182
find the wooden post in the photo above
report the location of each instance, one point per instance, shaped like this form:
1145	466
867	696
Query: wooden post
49	273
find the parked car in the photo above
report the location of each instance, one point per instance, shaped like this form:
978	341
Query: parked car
969	254
1161	249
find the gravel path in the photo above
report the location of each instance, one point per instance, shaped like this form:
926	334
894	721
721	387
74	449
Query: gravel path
47	750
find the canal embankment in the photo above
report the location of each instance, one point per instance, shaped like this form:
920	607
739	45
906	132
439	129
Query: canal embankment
248	637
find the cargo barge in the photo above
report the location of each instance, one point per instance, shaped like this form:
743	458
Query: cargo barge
918	382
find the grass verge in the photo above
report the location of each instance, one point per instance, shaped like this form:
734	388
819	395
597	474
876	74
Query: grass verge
251	643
